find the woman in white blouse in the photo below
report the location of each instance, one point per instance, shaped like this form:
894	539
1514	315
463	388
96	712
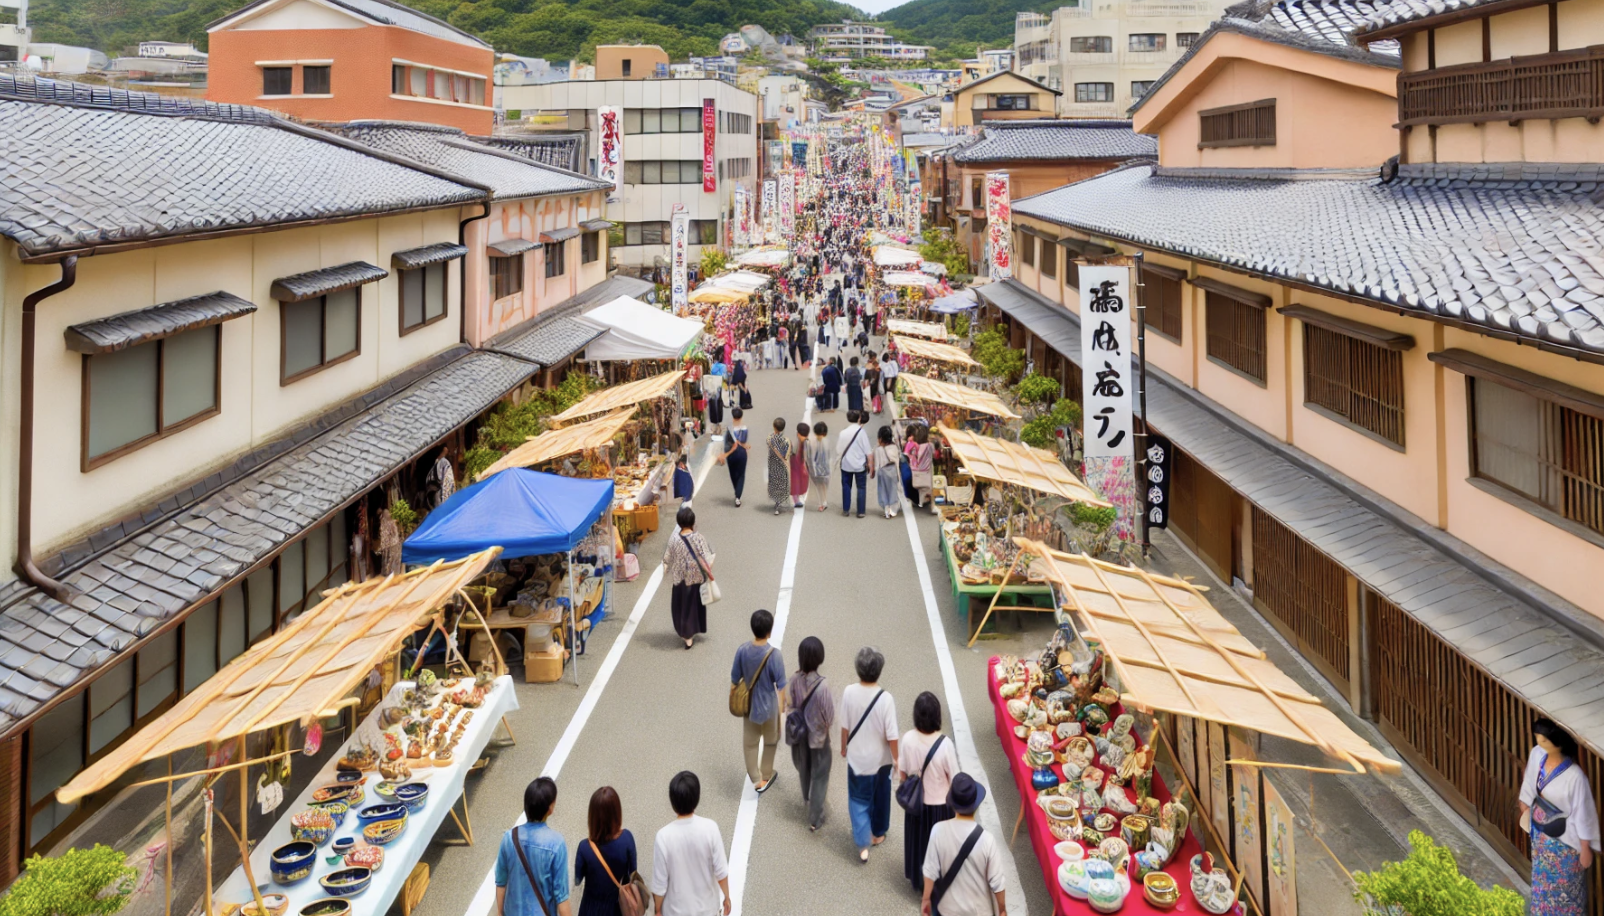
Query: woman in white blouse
927	753
1556	808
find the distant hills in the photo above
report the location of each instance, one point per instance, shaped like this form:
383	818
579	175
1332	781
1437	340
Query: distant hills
956	27
553	29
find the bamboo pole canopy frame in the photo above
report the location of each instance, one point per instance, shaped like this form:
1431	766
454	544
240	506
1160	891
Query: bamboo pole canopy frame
929	349
556	443
929	389
628	394
1174	651
990	458
303	672
907	328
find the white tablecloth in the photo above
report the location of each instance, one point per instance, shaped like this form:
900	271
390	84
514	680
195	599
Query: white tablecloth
445	787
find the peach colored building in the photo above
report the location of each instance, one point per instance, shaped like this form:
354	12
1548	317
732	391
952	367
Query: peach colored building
629	62
1002	96
348	60
1382	374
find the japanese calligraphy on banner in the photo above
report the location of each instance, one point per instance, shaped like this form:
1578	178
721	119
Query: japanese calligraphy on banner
740	223
1105	346
1000	228
1160	462
787	204
680	241
610	149
914	205
709	135
770	200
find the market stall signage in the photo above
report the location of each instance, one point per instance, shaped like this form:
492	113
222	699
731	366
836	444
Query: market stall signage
787	204
1160	465
1105	341
610	161
709	135
742	222
999	227
680	238
770	195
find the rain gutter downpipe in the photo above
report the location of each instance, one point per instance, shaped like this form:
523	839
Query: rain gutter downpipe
462	280
26	568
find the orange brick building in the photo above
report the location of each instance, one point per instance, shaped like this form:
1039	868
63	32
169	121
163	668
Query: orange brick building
346	60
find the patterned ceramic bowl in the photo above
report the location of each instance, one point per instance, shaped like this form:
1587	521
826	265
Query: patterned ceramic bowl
414	795
292	863
276	905
328	906
383	833
372	814
347	882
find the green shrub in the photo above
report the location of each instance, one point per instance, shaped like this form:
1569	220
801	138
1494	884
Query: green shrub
1036	388
714	260
1096	518
1040	432
1428	883
960	325
80	882
476	460
406	517
1066	413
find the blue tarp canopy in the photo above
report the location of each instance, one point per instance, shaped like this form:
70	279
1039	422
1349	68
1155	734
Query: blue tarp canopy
959	301
525	513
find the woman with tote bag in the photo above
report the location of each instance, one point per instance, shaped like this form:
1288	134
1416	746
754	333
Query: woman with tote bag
690	567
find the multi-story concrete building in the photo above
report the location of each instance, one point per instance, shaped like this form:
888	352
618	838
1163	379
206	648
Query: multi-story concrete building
631	62
1104	54
847	40
13	30
663	154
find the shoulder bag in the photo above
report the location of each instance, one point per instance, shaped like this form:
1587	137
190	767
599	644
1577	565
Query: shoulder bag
632	897
709	589
741	690
1553	823
911	794
796	721
945	881
865	717
524	858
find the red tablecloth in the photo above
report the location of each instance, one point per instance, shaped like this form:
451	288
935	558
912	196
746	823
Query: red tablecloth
1042	839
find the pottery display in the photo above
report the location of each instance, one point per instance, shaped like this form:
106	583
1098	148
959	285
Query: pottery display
338	809
347	882
292	863
372	814
1069	851
328	906
1160	890
383	833
315	825
368	857
1134	830
1072	878
276	905
1106	886
1115	851
413	795
344	844
348	792
1146	861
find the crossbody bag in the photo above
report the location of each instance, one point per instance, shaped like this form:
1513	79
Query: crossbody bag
796	721
865	717
1553	822
911	794
524	858
631	896
951	874
741	690
709	589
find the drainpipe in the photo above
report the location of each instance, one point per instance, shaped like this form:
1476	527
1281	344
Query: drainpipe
462	239
26	568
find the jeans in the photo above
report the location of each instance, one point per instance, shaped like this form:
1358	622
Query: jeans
847	477
869	804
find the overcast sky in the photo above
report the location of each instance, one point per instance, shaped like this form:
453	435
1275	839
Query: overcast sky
876	6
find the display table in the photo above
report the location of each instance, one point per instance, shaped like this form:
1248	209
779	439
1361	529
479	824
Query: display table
1043	841
445	788
965	594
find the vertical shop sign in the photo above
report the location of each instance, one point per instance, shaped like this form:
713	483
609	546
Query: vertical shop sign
1247	819
770	197
610	148
1282	872
709	135
787	204
738	224
680	239
1156	501
1105	341
999	227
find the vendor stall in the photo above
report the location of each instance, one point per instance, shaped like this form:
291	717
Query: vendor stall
308	671
893	256
589	439
1131	645
767	257
961	301
934	400
528	514
931	359
930	330
909	278
644	464
638	331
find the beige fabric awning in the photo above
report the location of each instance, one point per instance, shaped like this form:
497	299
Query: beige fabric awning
929	329
555	443
626	395
1173	651
929	349
302	672
990	458
929	389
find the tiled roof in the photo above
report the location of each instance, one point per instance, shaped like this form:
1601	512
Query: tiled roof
127	583
560	150
1507	248
912	141
1059	140
381	12
1331	20
119	332
1398	12
1513	631
413	258
88	166
508	175
326	280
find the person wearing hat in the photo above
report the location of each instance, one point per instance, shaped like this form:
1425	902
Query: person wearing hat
962	869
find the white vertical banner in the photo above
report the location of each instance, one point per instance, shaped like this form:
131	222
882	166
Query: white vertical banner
739	234
770	202
1106	388
999	227
915	207
787	205
680	241
610	148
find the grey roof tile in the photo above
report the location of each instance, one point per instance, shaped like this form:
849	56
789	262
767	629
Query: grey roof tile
1057	140
1398	12
387	12
508	175
1368	237
90	166
118	332
325	280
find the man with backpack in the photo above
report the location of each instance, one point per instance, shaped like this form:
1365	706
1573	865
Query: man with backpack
963	871
760	669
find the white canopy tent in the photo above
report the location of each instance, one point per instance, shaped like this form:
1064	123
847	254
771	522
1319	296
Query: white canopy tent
746	281
636	330
908	278
887	256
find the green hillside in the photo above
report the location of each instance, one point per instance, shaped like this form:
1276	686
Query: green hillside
956	27
553	29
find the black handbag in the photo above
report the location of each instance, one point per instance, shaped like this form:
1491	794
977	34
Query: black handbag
911	794
796	721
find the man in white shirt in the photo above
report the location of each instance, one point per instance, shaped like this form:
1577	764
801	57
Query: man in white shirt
869	743
689	870
853	447
966	888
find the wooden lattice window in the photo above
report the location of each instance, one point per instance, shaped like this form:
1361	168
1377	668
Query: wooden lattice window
1563	84
1547	452
1304	589
1161	299
1236	332
1250	124
1358	381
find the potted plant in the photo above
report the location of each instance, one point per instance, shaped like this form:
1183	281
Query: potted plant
79	882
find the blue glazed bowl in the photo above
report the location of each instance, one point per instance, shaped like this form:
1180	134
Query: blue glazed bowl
348	776
344	844
292	863
328	906
372	814
347	882
338	809
414	795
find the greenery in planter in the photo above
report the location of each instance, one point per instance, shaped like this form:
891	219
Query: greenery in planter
940	247
510	425
1000	361
406	517
1035	389
714	261
1428	883
1092	532
960	325
80	882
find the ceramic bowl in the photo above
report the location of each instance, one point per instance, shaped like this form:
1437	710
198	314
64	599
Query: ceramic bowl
292	863
1069	851
346	882
337	808
1060	809
389	811
1105	823
383	833
315	825
385	790
368	857
348	792
414	795
276	905
348	776
1160	890
328	906
1072	878
344	844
